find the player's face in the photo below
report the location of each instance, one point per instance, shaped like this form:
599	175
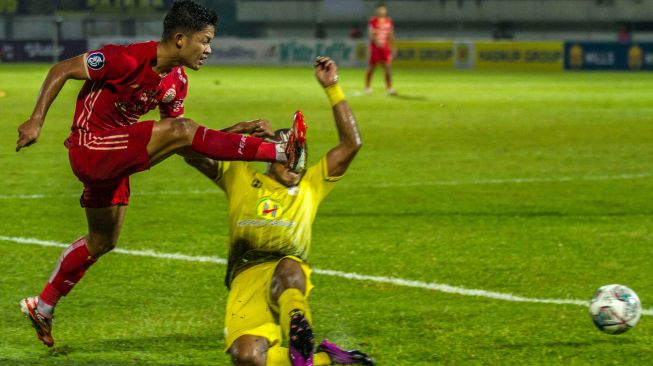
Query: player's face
285	176
196	48
381	11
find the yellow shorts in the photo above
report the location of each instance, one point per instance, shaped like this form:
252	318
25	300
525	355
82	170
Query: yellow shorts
249	308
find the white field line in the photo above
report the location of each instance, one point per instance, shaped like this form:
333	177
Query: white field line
561	179
327	272
374	185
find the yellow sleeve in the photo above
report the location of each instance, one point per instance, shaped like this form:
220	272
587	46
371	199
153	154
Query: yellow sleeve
230	174
318	177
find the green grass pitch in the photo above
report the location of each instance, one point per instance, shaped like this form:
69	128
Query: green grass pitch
534	184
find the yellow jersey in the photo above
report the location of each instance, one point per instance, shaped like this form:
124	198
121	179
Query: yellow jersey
268	220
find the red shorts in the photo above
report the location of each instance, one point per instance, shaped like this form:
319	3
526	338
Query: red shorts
380	55
105	163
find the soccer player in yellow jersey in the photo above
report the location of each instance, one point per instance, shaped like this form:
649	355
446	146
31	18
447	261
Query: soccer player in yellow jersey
270	219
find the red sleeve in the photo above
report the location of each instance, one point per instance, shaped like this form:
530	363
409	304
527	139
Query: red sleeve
175	107
110	64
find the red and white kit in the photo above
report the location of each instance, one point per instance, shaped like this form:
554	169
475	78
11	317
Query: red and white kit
380	30
107	143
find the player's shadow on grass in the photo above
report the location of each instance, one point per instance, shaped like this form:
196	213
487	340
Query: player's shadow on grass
150	351
418	98
160	344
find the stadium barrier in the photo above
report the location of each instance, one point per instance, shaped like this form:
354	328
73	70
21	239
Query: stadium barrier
423	54
482	55
269	51
39	50
353	53
608	56
541	56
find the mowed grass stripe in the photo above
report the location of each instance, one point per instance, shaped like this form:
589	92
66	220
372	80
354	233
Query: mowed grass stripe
327	272
377	185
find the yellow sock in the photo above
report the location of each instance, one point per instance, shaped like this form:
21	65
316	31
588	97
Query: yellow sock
321	359
290	300
278	356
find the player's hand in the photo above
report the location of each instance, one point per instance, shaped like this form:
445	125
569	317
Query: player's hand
28	133
326	71
258	128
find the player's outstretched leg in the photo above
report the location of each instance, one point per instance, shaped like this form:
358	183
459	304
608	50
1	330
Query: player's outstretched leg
104	229
288	289
172	135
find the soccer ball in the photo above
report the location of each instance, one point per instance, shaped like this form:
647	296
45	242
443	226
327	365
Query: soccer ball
615	309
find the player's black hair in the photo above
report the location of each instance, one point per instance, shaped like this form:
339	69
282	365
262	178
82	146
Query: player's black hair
381	4
187	16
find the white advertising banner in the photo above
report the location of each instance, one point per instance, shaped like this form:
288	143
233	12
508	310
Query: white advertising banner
234	51
286	51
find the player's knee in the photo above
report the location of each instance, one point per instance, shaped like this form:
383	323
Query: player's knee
182	128
248	351
98	247
289	274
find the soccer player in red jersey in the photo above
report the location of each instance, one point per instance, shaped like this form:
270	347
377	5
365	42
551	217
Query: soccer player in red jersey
381	31
108	144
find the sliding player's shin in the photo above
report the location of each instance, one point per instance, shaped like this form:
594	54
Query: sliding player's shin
295	318
290	302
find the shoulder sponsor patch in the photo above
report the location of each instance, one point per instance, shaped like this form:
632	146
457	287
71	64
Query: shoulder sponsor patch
95	61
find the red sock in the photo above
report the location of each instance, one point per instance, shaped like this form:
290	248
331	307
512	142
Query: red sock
232	146
72	265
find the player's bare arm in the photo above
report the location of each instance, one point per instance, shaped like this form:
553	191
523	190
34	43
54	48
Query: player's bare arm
74	68
258	128
340	156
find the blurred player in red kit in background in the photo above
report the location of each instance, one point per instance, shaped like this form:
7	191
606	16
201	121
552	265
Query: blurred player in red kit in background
381	31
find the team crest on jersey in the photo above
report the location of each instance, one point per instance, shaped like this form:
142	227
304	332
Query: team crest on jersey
268	208
169	96
95	61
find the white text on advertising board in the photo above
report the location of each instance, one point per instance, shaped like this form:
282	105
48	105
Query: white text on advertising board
306	52
529	56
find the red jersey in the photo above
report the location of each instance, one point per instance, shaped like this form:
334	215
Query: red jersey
380	30
123	87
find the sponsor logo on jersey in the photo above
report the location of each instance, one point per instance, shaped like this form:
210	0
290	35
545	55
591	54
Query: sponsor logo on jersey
181	76
177	105
169	96
269	223
268	208
95	61
241	146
